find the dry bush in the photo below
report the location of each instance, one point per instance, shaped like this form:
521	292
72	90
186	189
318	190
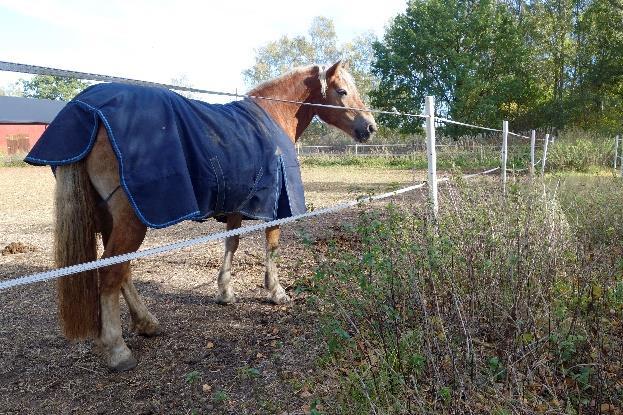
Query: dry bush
486	311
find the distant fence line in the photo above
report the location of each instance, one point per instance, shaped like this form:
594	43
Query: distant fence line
395	149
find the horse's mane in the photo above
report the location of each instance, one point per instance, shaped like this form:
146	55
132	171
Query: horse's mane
298	71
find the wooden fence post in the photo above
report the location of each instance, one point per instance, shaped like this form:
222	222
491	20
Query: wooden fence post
504	153
532	145
432	155
544	154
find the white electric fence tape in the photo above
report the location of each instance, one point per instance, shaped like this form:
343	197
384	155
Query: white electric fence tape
104	262
62	272
74	269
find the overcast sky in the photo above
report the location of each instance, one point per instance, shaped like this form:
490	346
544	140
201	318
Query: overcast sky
157	40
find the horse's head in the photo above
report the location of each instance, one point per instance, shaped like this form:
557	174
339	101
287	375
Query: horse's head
338	88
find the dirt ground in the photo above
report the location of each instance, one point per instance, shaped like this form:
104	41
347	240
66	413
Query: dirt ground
248	357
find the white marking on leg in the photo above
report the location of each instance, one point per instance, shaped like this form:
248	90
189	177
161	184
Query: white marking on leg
271	277
226	293
118	355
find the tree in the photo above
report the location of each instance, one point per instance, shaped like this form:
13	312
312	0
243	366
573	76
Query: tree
52	87
471	55
597	95
537	63
13	89
323	41
182	80
277	57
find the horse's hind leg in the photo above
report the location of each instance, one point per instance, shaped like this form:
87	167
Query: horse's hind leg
126	236
122	233
271	277
143	322
225	292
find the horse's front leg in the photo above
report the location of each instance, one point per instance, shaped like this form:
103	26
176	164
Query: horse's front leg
271	278
225	291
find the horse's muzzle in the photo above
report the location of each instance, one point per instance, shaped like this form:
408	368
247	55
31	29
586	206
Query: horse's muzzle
363	134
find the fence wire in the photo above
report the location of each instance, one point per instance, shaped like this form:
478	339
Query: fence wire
66	271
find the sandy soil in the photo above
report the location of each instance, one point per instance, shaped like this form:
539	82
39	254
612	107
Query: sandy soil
249	357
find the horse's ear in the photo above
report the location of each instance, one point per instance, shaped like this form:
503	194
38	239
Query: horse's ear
345	64
333	69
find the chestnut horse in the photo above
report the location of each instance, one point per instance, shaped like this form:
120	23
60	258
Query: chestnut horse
89	302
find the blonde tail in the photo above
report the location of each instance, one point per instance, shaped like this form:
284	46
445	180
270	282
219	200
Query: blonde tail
74	243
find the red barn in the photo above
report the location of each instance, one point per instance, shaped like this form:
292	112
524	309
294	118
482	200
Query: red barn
23	120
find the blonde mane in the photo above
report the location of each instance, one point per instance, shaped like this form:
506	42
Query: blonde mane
322	77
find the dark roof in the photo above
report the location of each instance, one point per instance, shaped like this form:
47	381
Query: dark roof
18	110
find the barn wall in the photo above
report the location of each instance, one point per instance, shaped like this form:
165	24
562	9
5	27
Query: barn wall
33	131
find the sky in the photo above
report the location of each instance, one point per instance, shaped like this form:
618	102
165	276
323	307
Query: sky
209	43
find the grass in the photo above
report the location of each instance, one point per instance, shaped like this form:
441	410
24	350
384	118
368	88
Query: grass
506	305
447	159
14	160
574	151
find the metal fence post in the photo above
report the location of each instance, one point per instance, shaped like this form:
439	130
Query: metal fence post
532	145
432	155
544	154
504	153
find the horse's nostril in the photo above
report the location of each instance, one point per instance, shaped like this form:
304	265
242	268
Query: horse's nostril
371	128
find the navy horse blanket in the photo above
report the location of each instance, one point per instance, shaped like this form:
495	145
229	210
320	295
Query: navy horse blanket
180	158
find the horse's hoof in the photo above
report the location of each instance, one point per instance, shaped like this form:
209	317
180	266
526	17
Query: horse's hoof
123	366
226	297
147	328
280	297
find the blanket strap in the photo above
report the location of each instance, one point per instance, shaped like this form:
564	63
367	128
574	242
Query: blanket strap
105	201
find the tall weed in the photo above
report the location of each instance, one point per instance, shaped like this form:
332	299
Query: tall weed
580	151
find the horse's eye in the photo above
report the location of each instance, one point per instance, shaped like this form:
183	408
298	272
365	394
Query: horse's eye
341	91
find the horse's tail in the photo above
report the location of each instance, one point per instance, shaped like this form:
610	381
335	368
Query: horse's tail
74	243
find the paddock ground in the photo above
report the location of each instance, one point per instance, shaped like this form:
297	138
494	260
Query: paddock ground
249	357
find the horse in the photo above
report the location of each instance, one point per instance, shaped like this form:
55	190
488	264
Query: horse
88	203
